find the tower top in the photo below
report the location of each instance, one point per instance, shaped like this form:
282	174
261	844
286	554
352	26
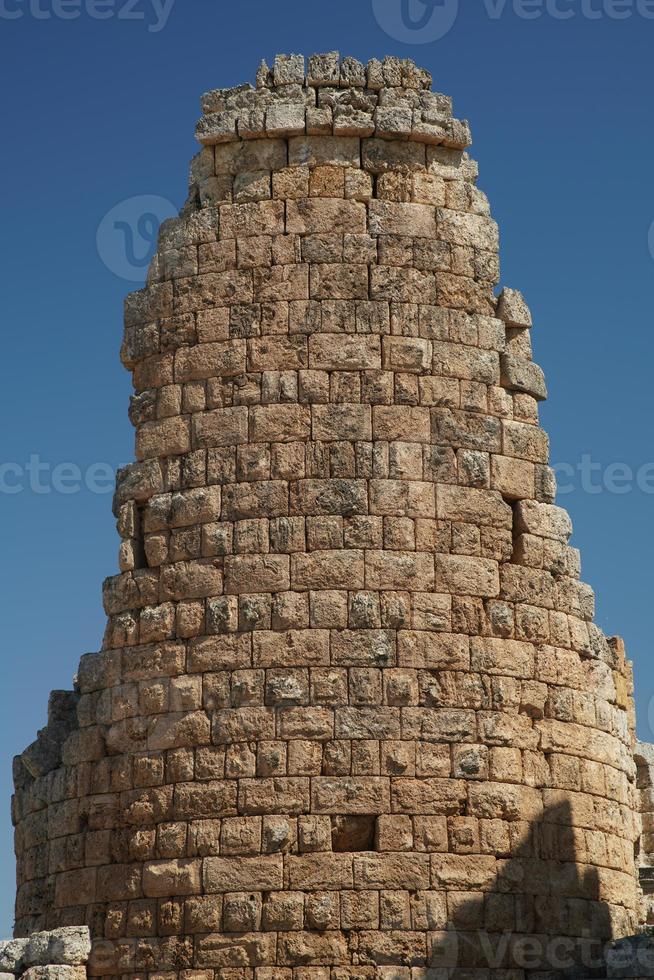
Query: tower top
333	96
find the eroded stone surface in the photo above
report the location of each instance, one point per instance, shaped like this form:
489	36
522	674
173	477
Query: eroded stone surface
351	700
61	954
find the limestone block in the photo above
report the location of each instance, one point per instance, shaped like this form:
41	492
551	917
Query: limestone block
410	871
513	309
319	122
162	879
339	282
197	506
310	723
267	498
366	647
208	360
190	580
148	304
179	730
401	285
393	121
223	288
138	481
242	220
255	154
350	795
348	353
401	422
433	651
278	795
514	478
544	520
280	423
402	498
50	972
318	216
397	570
12	955
343	422
466	576
470	430
524	441
389	218
320	871
285	120
167	437
327	570
291	647
469	505
217	127
315	151
466	362
323	69
463	872
349	121
407	354
373	723
288	68
231	951
467	229
297	947
194	801
520	374
427	128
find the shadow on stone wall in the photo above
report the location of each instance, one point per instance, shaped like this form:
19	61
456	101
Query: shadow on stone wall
544	916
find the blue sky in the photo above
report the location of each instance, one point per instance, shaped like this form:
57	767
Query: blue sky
99	99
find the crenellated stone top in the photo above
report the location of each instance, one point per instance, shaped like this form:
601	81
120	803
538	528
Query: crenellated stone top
389	99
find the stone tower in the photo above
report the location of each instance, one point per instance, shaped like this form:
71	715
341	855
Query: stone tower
352	717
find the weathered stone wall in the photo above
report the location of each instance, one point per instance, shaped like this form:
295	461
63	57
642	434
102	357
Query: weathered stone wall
644	757
59	955
351	704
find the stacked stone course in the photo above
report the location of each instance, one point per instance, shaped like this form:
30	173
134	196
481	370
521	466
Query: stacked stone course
351	699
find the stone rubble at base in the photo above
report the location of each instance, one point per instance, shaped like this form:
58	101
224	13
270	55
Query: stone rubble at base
351	700
58	955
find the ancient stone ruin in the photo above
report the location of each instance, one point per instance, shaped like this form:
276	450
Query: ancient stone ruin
352	717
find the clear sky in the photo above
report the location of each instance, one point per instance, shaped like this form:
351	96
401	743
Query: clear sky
98	100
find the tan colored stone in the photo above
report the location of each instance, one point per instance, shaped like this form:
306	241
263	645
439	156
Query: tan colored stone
351	701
